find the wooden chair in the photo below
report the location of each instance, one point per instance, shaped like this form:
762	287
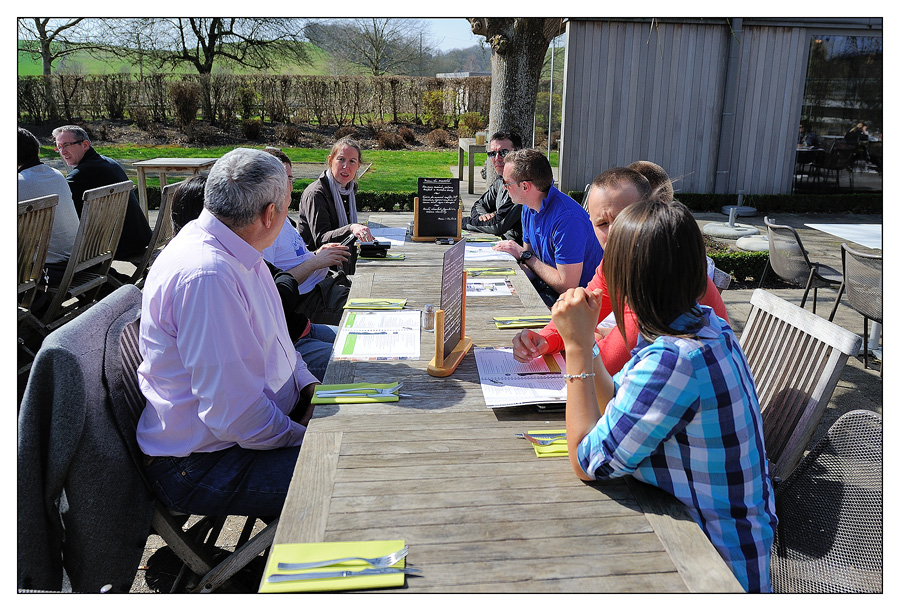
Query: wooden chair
864	287
195	547
102	217
829	537
35	223
162	233
790	262
796	359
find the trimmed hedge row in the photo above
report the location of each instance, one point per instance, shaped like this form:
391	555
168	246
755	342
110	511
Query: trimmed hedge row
858	203
742	266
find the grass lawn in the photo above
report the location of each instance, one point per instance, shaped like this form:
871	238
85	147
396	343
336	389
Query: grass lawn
391	171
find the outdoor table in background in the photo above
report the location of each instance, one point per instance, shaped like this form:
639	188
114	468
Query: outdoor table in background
166	165
467	145
868	235
446	474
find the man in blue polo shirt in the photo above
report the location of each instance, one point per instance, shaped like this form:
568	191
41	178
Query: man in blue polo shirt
559	249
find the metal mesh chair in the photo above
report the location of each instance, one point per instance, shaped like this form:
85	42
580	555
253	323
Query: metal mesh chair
790	262
863	286
829	537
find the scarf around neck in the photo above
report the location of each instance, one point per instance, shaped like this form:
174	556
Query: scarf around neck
336	193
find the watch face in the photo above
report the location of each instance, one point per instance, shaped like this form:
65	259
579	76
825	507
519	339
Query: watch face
527	255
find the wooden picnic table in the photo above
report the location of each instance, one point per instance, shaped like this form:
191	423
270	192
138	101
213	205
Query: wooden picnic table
468	146
478	509
165	166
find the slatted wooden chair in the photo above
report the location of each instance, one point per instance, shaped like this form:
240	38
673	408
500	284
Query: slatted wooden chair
796	359
35	223
790	262
195	546
863	286
830	513
102	217
162	233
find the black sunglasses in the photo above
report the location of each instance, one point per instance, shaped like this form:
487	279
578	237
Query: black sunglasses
502	152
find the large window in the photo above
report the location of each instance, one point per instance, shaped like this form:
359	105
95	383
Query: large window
843	84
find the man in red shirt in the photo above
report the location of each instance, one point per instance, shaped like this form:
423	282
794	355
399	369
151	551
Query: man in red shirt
610	193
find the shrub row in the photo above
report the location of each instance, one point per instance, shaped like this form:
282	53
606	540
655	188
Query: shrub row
742	266
224	99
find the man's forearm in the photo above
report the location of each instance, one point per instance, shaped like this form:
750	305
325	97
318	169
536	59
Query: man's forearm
547	273
302	272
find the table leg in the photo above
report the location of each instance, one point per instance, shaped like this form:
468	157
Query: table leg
459	173
471	171
142	191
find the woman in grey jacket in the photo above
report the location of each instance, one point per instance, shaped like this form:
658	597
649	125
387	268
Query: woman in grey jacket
328	205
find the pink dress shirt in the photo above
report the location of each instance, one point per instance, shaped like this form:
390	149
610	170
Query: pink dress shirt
219	367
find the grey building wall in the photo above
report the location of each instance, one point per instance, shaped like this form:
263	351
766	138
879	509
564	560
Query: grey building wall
716	102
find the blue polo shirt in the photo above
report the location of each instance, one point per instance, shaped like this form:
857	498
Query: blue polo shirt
561	232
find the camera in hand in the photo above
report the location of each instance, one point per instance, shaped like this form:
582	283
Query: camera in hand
374	249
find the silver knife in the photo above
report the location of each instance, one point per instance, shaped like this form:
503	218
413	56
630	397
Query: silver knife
280	577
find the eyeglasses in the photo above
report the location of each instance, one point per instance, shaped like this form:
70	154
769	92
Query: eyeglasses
66	145
502	152
515	182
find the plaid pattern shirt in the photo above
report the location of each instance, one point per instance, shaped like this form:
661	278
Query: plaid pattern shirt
685	418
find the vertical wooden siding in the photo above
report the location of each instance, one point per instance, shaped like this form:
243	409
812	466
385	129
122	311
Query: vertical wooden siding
633	91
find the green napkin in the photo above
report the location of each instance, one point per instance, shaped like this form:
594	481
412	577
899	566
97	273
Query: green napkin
310	552
369	303
559	447
362	398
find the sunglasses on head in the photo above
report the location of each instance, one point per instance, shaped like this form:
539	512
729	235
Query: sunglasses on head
502	152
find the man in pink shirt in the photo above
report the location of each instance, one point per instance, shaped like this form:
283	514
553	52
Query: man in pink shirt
228	397
610	193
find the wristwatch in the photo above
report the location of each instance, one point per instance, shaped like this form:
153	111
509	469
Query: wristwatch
525	256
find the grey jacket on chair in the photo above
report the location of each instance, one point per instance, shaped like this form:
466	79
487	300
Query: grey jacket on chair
82	505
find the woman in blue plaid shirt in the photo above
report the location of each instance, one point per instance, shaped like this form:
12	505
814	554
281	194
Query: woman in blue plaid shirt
682	414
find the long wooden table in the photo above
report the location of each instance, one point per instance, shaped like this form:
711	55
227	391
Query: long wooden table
478	509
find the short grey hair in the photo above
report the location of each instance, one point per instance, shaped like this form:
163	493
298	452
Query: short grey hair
74	129
242	183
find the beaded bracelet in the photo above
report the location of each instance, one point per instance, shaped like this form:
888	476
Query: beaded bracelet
578	376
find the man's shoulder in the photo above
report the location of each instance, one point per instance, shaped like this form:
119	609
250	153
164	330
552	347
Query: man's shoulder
41	180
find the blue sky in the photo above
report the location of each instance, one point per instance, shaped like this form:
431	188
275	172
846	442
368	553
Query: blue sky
452	33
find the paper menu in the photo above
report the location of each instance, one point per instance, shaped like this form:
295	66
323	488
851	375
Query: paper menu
506	382
484	251
387	335
488	287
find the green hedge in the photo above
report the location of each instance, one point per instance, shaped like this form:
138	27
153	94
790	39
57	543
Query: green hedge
742	266
858	203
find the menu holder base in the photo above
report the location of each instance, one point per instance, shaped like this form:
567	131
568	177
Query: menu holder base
452	361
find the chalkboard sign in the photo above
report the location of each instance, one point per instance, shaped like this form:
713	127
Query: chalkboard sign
452	295
437	211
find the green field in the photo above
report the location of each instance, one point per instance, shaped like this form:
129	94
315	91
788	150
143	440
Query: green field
84	63
391	171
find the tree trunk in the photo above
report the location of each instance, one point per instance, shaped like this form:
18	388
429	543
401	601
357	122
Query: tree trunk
49	95
518	48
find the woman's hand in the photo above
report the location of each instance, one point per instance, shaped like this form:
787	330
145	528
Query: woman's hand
575	315
361	232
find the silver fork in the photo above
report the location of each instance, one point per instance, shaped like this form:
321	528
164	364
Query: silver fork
544	441
361	391
378	562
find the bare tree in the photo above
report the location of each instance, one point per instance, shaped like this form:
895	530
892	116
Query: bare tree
518	48
203	43
378	45
53	39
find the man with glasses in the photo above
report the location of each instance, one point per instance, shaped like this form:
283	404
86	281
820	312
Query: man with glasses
495	212
91	170
559	248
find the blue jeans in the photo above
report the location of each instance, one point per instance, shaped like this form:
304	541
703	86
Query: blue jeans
234	481
315	348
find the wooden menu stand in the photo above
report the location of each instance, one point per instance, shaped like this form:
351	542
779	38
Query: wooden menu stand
421	222
440	366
